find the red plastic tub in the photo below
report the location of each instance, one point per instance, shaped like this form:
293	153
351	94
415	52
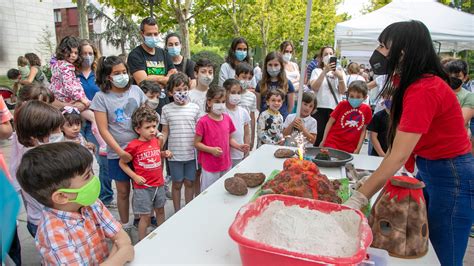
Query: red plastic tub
256	253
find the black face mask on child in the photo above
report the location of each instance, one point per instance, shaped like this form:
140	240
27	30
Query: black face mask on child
455	83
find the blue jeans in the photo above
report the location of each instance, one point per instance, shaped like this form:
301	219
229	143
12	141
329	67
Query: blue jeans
106	193
449	195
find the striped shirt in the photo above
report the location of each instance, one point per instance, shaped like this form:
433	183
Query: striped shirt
248	101
76	238
181	120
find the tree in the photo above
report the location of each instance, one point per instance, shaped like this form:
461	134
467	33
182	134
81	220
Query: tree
119	30
46	43
171	12
83	19
266	23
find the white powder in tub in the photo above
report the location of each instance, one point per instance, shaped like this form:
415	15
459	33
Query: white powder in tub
306	231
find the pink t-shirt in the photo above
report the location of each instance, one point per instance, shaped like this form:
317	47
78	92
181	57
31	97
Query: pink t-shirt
215	134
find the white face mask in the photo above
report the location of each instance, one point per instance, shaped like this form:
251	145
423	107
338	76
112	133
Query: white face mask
205	79
53	138
153	104
326	59
234	99
245	84
218	108
287	57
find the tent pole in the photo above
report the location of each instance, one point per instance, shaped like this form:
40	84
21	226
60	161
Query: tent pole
309	6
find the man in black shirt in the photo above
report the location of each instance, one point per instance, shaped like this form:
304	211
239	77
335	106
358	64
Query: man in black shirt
148	61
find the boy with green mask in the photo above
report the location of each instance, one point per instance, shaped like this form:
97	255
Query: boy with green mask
75	223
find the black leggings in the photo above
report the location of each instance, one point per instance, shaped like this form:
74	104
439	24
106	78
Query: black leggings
322	117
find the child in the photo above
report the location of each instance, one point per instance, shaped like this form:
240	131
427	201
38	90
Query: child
240	117
66	86
270	121
204	71
274	77
248	101
75	223
179	120
378	128
214	138
23	67
29	133
346	127
149	192
152	91
113	106
305	124
15	76
72	127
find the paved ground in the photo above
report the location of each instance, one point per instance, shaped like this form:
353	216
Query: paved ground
30	255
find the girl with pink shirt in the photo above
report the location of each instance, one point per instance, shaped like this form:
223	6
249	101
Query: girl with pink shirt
214	138
66	86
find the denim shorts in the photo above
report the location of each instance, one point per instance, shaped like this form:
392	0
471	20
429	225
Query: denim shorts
180	170
115	172
146	199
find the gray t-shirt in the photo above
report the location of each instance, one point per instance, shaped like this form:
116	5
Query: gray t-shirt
119	108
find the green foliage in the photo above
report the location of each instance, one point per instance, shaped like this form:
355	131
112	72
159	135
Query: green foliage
120	30
374	5
216	59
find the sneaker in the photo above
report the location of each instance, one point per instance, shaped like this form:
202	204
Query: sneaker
168	192
127	228
111	205
153	221
135	222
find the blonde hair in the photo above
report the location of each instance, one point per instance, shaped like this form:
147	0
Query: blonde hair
22	61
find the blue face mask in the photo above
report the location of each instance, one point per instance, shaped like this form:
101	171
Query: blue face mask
120	80
240	55
151	41
174	51
355	103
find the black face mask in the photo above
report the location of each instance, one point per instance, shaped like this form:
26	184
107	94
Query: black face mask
455	83
379	63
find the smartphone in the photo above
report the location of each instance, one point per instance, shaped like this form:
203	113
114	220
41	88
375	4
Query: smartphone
333	59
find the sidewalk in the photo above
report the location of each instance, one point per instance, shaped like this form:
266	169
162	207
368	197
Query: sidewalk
31	257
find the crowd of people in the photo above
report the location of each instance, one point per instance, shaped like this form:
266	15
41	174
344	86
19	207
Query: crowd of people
156	118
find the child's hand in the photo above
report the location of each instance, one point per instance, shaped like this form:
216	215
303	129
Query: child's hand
281	142
167	154
216	151
139	180
298	124
244	148
90	146
125	156
85	101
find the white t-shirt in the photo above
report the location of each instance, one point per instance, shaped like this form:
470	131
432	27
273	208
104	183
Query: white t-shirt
324	95
294	76
248	101
309	123
227	72
240	117
181	120
354	77
380	81
198	97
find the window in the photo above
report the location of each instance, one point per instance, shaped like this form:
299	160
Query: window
57	16
72	17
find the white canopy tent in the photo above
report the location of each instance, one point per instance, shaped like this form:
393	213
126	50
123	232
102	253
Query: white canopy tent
451	30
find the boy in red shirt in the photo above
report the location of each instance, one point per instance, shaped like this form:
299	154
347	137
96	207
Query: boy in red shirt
148	182
347	125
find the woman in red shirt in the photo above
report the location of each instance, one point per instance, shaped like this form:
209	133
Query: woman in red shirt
426	120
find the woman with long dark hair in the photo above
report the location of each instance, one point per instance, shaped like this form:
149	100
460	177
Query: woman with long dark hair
238	52
425	120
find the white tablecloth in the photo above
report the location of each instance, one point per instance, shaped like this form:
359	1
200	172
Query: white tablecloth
198	233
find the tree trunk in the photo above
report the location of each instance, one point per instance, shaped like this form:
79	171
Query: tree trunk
184	32
83	19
